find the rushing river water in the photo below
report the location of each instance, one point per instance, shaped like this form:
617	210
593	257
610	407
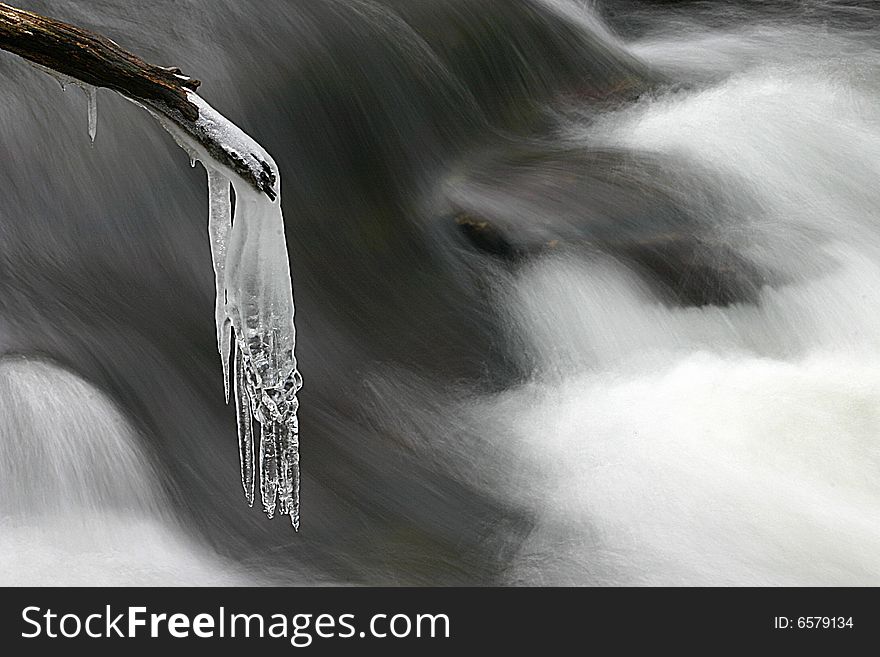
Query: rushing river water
585	295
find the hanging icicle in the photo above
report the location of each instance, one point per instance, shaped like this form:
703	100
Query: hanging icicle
92	94
254	310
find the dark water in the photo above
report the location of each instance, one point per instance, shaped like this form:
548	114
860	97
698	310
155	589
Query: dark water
433	154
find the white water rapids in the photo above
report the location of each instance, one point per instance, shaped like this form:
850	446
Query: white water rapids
735	445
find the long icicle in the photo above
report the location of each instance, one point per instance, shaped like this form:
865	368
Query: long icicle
268	467
245	428
219	227
288	488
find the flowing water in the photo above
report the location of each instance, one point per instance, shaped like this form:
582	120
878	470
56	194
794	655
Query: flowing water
585	295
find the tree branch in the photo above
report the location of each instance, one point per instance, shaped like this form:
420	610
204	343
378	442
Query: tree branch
95	60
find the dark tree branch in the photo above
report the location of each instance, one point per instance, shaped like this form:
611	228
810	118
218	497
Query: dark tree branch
95	60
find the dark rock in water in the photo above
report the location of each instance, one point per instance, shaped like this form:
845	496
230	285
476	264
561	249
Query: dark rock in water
635	207
486	237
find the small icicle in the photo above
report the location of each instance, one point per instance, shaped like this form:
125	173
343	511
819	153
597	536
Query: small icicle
245	428
288	480
268	467
219	225
225	344
192	162
92	94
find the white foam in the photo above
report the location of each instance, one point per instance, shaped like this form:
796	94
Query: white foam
735	445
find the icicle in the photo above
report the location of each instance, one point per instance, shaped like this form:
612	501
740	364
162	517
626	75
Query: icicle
92	94
260	306
219	225
258	311
268	467
192	162
245	429
288	479
225	344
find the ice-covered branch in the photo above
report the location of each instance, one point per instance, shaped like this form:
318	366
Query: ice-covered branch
93	60
254	306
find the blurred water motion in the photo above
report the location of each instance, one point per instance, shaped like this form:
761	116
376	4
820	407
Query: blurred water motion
584	296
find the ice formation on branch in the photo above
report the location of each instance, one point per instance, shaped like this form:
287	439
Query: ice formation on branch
92	95
254	307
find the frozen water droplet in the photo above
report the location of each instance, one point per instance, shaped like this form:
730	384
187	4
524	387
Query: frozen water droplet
92	94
